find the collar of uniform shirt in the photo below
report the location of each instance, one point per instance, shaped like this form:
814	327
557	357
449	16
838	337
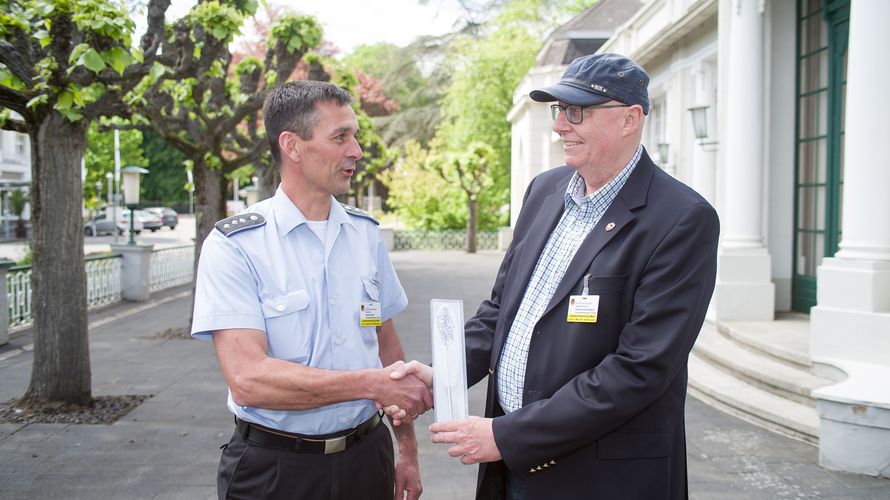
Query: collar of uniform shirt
288	216
575	189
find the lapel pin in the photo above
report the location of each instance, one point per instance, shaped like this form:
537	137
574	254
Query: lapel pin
610	226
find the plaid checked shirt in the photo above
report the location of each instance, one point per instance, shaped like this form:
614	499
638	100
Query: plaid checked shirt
580	215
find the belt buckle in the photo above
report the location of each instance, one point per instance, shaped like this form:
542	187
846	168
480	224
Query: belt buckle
335	445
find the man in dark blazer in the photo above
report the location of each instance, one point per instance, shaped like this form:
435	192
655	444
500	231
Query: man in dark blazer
596	306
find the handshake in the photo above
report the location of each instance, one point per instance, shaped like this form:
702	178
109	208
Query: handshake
471	439
406	392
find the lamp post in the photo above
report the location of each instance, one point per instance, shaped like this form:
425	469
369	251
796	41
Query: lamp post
131	177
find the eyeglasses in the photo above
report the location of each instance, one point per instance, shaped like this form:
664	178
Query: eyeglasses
575	113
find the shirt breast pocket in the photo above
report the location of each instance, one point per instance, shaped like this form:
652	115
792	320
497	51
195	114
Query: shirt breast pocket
289	326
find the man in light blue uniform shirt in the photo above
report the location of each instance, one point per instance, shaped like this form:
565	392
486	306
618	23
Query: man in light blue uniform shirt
298	296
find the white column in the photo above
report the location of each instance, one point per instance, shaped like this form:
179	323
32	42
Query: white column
744	288
850	325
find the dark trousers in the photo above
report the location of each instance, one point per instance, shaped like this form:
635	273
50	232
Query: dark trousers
365	470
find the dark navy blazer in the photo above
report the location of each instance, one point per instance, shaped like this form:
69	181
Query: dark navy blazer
603	403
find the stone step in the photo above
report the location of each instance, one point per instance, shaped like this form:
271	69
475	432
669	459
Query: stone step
749	402
789	380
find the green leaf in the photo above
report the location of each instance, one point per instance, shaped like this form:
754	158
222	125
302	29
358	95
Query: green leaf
42	36
64	102
93	61
76	95
37	101
120	59
157	71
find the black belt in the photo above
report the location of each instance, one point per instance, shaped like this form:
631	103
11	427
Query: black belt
321	445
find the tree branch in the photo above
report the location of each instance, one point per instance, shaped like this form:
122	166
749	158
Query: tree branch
12	58
14	100
15	125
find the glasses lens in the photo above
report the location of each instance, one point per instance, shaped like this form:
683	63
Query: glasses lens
574	114
554	111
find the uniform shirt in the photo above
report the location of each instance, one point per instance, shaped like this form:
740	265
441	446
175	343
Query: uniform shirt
305	294
580	215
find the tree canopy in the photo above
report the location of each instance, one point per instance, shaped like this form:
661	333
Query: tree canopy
486	65
64	64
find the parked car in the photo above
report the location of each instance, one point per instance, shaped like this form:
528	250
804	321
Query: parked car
168	216
101	223
148	220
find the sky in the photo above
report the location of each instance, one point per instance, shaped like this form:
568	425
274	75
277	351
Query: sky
348	23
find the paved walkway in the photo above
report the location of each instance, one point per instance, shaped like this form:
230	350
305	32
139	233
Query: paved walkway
168	447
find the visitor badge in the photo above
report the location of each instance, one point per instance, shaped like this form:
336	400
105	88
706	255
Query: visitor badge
583	308
369	314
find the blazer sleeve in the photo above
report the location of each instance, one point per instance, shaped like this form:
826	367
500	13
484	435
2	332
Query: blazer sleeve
668	310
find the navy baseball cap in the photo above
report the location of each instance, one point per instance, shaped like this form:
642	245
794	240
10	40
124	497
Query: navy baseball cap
597	78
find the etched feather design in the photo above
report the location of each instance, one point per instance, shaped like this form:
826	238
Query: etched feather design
445	325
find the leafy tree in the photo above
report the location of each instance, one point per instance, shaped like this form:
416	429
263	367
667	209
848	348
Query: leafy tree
206	107
166	183
471	146
415	192
415	77
63	64
99	159
469	171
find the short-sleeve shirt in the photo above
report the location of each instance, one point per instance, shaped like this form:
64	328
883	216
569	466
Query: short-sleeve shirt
305	294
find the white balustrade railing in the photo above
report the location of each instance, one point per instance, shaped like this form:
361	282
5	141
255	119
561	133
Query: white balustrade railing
103	287
172	266
18	293
103	280
169	267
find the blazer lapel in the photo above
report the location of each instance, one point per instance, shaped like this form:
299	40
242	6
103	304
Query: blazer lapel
619	213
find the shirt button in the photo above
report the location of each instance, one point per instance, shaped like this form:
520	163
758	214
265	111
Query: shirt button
279	307
332	301
338	340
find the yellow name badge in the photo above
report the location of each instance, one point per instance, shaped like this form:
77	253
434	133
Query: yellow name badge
583	308
369	314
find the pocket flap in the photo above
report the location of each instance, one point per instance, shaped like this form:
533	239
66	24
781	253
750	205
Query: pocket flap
371	288
285	304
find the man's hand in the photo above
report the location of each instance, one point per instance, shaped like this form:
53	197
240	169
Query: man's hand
408	484
473	439
400	371
406	396
416	368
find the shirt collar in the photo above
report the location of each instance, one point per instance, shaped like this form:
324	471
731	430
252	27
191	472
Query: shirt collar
288	216
576	188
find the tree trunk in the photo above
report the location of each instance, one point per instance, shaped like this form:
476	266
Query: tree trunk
267	179
61	368
472	223
210	202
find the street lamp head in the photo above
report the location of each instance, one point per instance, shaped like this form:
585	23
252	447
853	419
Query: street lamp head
663	152
700	121
131	177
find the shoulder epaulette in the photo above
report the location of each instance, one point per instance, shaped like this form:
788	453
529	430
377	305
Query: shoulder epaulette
235	223
359	213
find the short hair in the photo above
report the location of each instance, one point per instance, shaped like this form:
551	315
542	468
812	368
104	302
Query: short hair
291	107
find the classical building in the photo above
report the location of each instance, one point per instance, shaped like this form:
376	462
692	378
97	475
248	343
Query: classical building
771	109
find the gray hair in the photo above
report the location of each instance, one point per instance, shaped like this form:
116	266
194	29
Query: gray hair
290	107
